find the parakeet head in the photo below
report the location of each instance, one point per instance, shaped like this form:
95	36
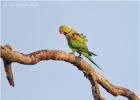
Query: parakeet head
65	29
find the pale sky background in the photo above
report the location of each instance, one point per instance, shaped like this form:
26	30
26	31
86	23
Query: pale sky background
112	32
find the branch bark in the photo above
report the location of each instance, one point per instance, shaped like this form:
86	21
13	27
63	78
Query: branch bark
9	56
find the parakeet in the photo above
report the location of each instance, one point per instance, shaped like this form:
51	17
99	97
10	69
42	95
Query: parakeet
77	42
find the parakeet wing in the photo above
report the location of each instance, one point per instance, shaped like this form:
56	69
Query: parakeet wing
78	42
80	37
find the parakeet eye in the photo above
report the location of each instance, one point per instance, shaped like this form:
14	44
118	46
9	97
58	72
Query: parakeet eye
61	31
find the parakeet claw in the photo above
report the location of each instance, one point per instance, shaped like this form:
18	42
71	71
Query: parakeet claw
79	55
78	58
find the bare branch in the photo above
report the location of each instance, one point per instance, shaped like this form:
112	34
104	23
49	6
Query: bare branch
9	73
95	78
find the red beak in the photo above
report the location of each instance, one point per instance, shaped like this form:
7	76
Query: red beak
61	31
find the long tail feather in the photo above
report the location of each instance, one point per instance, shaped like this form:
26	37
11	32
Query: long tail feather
89	58
92	53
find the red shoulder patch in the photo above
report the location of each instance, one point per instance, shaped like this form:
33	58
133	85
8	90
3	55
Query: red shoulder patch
73	37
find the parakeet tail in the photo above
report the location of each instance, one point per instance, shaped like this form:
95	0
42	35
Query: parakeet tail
89	58
91	53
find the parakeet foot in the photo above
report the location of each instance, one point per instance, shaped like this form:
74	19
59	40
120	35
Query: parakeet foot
78	58
79	55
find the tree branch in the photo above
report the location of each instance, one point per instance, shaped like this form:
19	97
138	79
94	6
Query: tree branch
9	56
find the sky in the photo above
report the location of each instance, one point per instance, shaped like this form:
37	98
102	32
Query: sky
112	32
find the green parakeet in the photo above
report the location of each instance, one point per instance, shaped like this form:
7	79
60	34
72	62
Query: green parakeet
77	42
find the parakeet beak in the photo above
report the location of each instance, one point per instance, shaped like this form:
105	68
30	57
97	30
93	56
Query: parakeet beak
61	31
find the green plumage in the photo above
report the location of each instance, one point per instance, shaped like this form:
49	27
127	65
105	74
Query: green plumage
77	42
